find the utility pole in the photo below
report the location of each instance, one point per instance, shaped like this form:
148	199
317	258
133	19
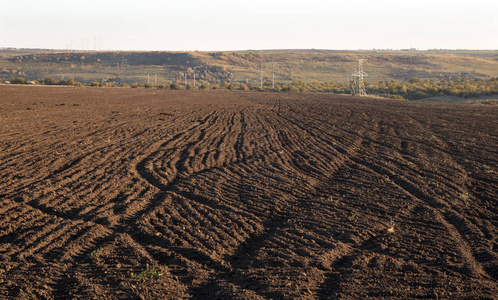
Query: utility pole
261	74
148	78
123	63
155	78
273	75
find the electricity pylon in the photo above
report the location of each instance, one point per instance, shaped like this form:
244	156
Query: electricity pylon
357	82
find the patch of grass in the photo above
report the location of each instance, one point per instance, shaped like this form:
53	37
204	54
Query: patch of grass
97	252
147	273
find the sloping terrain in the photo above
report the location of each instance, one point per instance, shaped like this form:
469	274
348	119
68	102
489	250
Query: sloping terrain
245	66
150	194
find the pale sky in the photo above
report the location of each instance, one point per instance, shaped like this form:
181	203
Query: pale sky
240	25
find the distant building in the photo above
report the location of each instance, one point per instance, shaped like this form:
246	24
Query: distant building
6	82
32	82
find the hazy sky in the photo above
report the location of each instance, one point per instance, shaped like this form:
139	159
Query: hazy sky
256	24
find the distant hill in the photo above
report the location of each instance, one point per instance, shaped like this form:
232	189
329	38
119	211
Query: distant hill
245	66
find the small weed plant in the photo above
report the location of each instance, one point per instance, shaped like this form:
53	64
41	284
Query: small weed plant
147	273
96	252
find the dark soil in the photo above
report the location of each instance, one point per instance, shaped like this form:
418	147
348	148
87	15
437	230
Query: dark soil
149	194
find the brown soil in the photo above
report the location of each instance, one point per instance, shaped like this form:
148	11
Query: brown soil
148	194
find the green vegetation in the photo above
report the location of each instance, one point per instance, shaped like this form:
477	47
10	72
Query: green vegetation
147	273
97	252
416	88
413	89
18	80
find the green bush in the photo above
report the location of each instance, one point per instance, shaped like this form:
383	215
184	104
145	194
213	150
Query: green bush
175	86
49	81
395	97
18	80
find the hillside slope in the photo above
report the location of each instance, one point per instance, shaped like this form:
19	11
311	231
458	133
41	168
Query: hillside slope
246	66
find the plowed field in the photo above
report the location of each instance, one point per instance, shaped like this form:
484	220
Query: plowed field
149	194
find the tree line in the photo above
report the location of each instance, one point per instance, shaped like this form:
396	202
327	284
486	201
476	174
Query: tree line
413	89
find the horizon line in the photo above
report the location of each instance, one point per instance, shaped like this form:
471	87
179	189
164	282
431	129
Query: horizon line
244	50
